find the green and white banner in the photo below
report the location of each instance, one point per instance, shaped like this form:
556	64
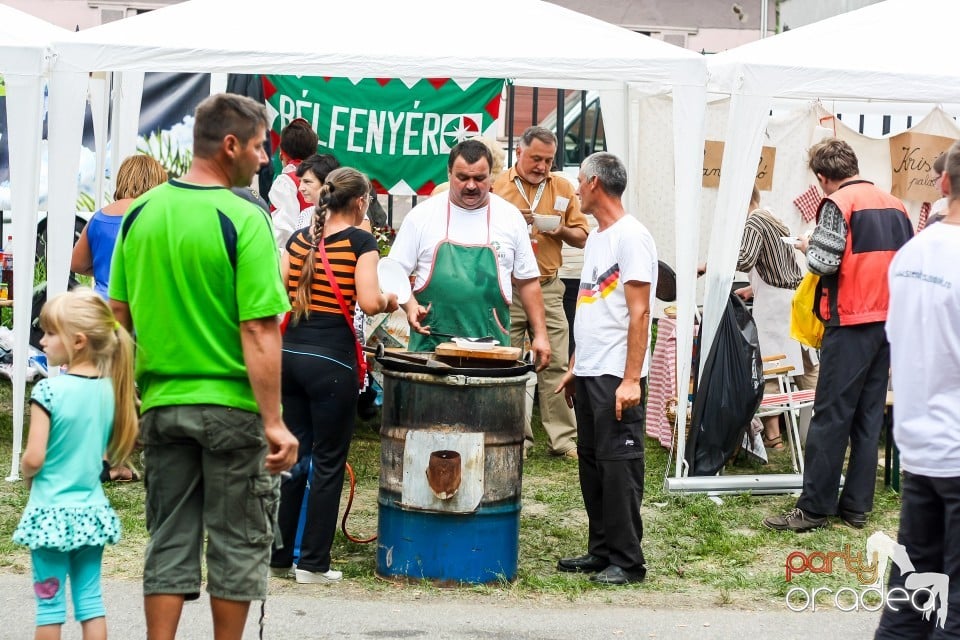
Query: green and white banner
397	132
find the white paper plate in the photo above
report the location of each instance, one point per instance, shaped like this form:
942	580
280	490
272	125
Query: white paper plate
470	345
393	279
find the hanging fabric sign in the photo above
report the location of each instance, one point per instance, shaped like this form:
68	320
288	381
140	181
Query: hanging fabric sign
713	156
912	156
397	132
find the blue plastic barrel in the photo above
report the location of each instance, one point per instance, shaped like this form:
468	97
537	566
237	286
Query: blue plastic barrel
467	533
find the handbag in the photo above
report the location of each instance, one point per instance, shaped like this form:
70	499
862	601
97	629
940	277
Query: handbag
805	327
347	316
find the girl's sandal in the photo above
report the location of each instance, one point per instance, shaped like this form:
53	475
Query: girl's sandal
775	443
123	474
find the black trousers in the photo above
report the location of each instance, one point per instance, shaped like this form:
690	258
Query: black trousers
929	526
611	472
848	409
319	393
571	289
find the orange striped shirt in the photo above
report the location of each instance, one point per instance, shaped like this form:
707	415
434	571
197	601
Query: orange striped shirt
343	250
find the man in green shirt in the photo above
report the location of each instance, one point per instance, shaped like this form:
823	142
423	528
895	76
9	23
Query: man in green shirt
196	274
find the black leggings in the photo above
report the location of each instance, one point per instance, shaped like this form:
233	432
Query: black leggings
319	392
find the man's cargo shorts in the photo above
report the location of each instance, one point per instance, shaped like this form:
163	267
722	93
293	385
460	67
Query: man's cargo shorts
204	472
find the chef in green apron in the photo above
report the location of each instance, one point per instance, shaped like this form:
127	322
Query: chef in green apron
465	248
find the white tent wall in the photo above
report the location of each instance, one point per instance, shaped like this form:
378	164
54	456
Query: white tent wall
874	153
24	62
733	196
688	129
882	52
177	38
788	132
127	98
99	98
162	40
24	121
68	94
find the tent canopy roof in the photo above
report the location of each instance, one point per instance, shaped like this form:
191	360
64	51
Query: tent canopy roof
24	40
870	53
379	38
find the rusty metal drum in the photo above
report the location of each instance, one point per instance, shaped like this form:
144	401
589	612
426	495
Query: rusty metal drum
451	466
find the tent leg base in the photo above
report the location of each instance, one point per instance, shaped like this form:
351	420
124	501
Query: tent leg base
756	484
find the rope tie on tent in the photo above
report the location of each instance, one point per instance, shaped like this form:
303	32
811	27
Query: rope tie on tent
833	123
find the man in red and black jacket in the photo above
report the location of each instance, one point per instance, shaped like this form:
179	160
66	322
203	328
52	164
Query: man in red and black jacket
859	229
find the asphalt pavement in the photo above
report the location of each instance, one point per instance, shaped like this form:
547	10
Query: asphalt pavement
321	611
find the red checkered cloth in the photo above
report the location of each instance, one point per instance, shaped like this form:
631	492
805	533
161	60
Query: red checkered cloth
808	202
924	214
663	382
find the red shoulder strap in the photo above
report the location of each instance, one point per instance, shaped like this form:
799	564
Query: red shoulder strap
347	316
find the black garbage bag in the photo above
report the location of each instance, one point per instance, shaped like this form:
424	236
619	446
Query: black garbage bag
728	394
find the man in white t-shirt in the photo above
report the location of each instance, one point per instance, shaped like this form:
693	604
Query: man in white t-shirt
923	328
466	248
607	374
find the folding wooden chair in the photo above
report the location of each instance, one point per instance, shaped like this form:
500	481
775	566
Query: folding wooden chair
788	401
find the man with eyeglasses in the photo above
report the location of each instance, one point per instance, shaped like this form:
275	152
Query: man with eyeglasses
534	189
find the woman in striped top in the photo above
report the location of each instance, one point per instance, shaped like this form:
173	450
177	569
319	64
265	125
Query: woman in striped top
319	386
774	275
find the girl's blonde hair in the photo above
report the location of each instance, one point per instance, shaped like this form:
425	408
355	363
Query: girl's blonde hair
137	175
108	346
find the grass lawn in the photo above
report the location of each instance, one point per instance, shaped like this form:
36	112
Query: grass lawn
699	553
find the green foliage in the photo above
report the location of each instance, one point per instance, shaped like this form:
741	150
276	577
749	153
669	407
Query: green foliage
384	236
160	146
86	202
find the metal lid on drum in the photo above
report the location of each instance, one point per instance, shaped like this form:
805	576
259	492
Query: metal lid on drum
465	367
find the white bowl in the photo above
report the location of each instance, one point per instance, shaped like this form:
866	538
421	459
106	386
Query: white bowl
393	279
545	223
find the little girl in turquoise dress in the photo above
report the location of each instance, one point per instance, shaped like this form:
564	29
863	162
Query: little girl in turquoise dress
74	419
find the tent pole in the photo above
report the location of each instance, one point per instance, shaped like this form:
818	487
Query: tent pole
24	116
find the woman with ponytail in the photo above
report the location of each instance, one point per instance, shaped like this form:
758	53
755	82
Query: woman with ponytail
330	269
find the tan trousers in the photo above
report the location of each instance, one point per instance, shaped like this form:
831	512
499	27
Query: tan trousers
558	419
811	372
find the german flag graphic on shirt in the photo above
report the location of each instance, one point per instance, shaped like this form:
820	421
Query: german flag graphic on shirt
601	286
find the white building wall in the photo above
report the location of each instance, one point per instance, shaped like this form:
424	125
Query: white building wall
717	40
71	14
68	14
796	13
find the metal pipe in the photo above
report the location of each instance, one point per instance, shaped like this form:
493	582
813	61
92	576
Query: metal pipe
756	484
763	18
511	110
770	483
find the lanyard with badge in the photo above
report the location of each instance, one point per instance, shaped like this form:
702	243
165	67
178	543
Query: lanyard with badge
536	197
532	205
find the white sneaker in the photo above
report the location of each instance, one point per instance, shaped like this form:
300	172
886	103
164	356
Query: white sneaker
282	572
316	577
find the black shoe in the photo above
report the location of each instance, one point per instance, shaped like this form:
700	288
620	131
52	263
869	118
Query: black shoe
582	564
797	521
853	519
616	575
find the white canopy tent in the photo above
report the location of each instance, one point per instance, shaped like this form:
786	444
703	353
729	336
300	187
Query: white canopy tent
382	38
895	51
25	58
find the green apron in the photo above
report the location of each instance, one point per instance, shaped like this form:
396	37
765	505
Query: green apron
463	291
